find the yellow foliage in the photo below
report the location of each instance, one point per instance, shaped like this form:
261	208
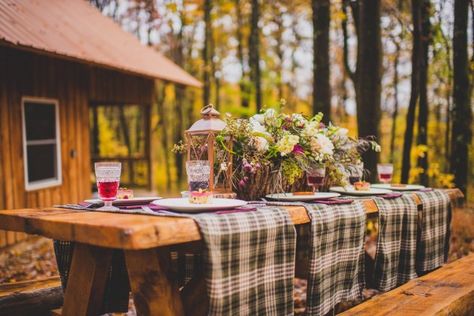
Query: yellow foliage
420	151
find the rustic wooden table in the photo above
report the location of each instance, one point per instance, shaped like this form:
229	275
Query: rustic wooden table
146	242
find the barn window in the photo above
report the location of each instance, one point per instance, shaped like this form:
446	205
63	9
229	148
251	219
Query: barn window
41	143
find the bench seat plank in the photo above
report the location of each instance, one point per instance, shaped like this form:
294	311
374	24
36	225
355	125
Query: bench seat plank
448	290
30	297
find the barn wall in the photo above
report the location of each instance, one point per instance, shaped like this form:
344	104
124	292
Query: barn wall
74	85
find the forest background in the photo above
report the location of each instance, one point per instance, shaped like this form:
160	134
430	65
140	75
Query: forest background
396	69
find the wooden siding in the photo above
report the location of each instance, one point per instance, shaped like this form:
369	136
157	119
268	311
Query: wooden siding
74	85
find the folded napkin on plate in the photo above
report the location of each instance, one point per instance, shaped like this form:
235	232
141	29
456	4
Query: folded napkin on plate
425	190
396	244
393	195
333	201
249	261
336	255
434	225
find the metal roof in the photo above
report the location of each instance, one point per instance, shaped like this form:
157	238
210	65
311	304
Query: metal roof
74	29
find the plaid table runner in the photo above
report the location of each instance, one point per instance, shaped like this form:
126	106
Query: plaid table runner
396	245
336	267
434	231
250	262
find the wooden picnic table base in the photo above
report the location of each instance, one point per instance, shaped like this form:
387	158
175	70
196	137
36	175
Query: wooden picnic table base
154	293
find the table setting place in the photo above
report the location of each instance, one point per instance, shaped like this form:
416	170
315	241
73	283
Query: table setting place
253	240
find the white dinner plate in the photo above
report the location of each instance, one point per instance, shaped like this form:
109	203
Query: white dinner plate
296	197
183	205
407	187
349	190
135	200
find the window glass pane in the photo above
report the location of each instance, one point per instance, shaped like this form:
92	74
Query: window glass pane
41	162
118	131
40	121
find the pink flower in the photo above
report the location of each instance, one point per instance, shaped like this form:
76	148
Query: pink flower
298	150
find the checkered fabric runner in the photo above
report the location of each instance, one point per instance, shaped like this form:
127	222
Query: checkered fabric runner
434	231
250	261
396	245
336	267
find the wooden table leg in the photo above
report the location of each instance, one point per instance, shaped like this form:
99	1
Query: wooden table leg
153	292
87	280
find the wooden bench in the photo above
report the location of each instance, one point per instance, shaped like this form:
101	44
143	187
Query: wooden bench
448	290
35	297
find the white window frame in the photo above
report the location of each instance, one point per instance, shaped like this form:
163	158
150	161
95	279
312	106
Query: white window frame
51	182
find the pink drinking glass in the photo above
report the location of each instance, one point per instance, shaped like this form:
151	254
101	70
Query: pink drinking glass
385	172
108	180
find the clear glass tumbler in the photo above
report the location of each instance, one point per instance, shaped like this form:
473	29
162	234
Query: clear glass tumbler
199	173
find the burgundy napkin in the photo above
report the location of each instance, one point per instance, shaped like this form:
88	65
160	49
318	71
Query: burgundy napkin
138	206
426	190
390	196
334	201
237	210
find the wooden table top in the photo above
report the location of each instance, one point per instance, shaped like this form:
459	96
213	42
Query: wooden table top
125	231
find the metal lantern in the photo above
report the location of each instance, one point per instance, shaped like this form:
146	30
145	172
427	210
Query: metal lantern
201	145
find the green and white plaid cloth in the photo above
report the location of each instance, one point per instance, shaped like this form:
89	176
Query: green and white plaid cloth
396	245
249	259
434	231
336	266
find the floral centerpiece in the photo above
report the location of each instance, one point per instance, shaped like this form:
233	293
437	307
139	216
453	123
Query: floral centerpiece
272	150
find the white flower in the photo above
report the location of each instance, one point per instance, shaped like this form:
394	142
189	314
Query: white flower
342	132
322	145
257	126
260	118
260	143
311	129
298	119
269	114
286	144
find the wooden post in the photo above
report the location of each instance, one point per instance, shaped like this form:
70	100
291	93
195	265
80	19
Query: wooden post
87	280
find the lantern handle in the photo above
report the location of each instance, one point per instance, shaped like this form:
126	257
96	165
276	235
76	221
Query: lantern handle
209	111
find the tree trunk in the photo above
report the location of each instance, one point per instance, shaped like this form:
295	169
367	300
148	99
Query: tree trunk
415	84
243	83
321	64
126	137
395	105
369	64
160	103
254	53
279	49
206	52
350	73
462	115
423	98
